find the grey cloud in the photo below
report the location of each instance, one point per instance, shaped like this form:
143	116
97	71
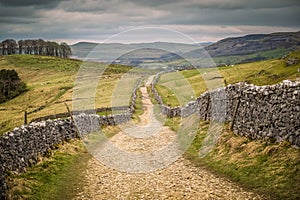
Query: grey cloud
188	3
38	3
13	12
155	3
17	20
101	18
246	4
217	4
273	3
21	16
221	12
24	11
259	17
88	6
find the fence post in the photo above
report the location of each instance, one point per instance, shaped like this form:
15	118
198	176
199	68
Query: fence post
235	113
77	131
206	110
25	117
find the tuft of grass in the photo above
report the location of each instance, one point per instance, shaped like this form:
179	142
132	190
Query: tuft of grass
110	112
173	123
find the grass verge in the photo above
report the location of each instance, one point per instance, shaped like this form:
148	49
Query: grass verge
272	169
138	107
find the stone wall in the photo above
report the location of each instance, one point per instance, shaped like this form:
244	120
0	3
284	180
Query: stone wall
263	112
66	114
270	112
21	147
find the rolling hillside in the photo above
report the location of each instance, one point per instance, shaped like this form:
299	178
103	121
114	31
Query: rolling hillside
259	73
251	48
50	81
244	49
108	51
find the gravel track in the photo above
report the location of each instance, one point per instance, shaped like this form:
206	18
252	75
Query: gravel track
179	180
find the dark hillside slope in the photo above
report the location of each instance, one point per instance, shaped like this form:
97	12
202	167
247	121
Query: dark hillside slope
252	44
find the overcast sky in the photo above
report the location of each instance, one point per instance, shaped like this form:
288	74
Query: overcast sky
96	20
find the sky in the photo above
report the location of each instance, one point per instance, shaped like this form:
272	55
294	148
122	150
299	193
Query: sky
133	21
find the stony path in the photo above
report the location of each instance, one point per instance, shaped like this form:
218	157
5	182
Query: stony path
179	180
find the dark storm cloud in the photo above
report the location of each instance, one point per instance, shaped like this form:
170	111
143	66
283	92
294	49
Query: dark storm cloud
217	4
197	12
155	3
273	3
235	12
98	19
38	3
286	16
10	16
24	11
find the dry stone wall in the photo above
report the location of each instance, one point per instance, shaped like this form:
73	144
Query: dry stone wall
21	147
263	112
270	112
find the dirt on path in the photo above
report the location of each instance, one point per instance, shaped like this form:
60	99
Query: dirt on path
179	180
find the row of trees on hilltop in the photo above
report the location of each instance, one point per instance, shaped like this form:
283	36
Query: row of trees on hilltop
36	47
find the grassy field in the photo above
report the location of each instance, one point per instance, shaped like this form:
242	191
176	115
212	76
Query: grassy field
177	91
50	81
265	55
228	60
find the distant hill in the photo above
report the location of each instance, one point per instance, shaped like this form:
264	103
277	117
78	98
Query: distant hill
108	51
252	44
248	48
